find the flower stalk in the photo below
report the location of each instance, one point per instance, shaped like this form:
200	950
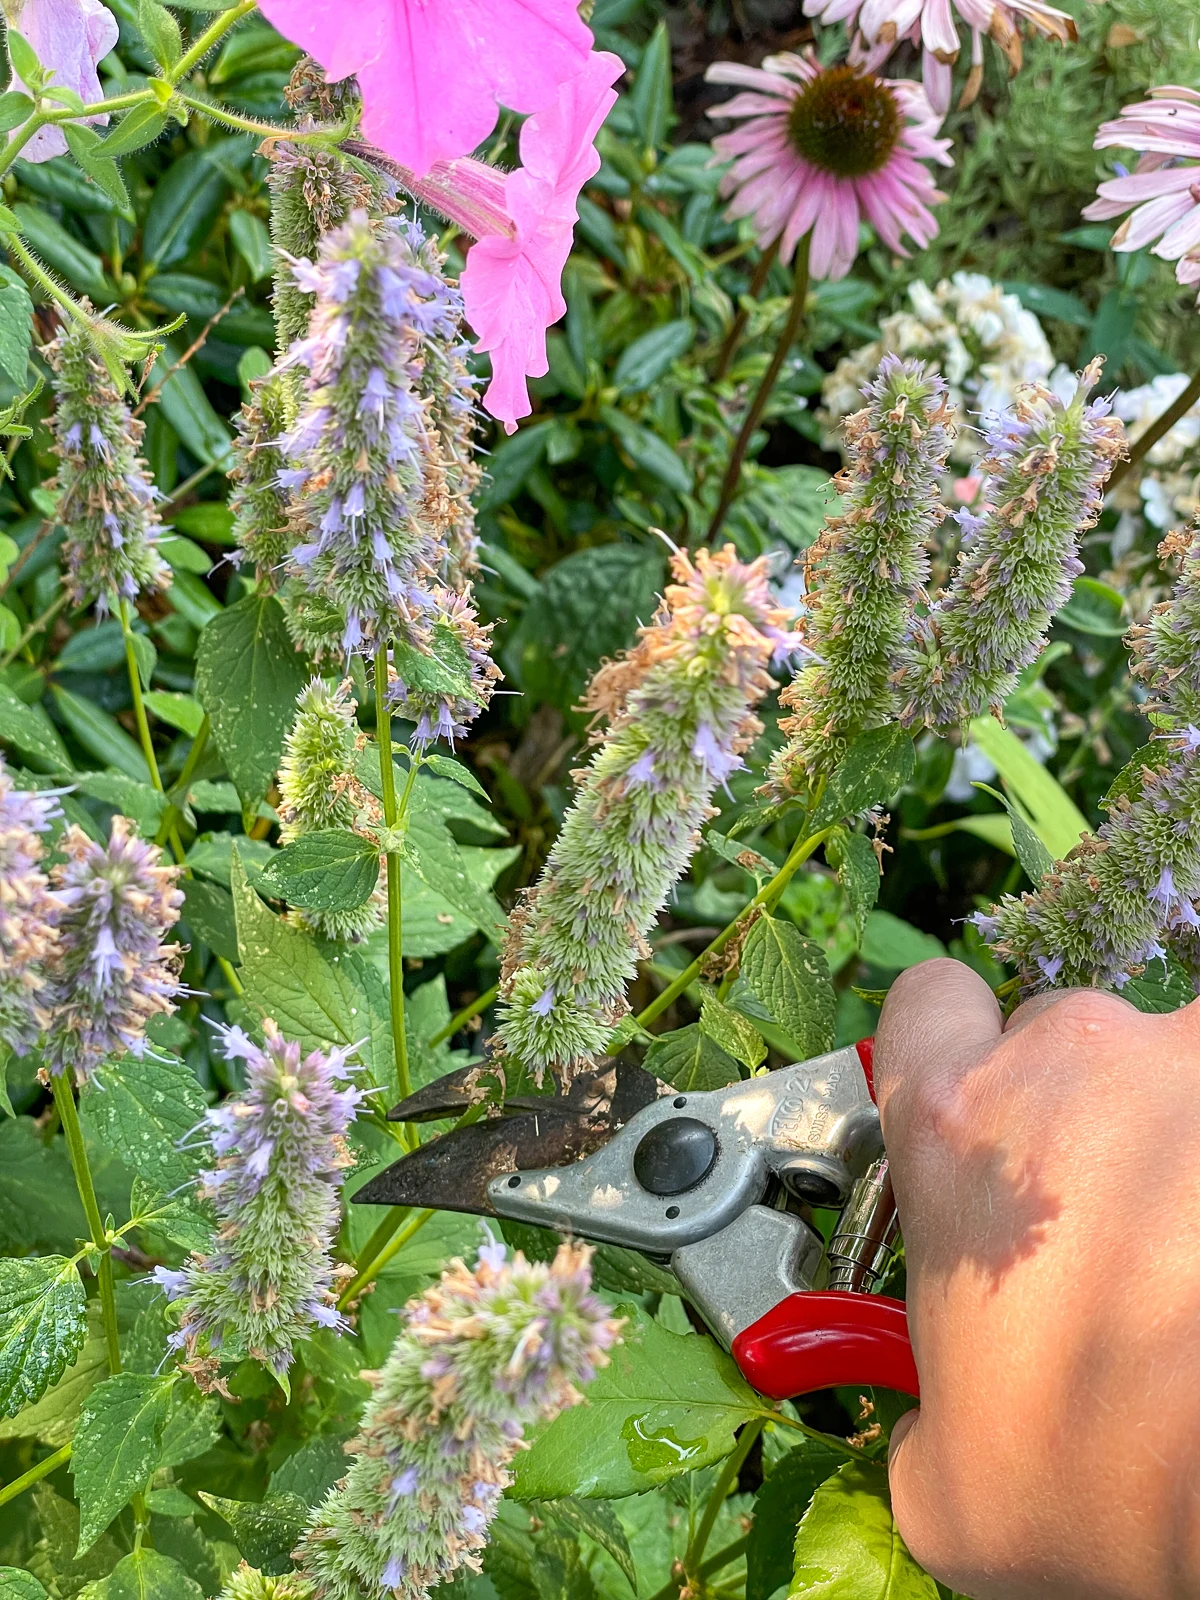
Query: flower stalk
395	909
64	1100
1158	429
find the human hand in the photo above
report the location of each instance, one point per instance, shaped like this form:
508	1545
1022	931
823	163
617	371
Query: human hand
1047	1174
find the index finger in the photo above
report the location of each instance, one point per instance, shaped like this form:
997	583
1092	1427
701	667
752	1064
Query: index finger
939	1020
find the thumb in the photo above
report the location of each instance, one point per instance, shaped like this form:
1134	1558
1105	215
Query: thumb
910	1486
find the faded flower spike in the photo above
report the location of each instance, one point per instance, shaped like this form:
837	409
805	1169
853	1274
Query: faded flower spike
1121	896
106	499
679	711
456	635
110	971
1048	464
372	495
318	789
480	1356
29	913
281	1150
870	565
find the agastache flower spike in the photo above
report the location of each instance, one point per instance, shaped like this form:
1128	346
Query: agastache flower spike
110	970
1125	893
438	713
480	1356
679	709
870	564
318	789
248	1583
281	1151
258	498
29	913
106	500
1048	463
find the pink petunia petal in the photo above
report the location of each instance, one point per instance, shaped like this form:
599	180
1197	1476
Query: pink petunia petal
432	72
69	37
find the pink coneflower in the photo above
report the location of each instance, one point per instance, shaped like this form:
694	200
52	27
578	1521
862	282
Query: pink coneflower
1163	195
824	148
879	25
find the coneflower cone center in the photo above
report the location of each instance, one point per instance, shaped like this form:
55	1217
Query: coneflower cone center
845	122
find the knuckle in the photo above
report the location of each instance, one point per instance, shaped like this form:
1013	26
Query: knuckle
1081	1017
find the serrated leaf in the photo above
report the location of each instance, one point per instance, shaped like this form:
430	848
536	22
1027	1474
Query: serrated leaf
665	1405
1030	851
170	1216
16	325
690	1059
1163	987
140	1108
876	764
735	1034
443	668
848	1546
598	1520
330	870
192	1427
314	1469
447	767
857	867
138	801
43	1325
248	675
265	1531
147	1574
17	1584
171	1503
116	1447
790	975
778	1506
29	730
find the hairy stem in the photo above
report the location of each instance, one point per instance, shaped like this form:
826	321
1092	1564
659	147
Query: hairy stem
720	1493
723	1558
1146	442
216	30
375	1266
43	277
791	327
738	326
64	1099
139	705
766	898
44	1468
391	817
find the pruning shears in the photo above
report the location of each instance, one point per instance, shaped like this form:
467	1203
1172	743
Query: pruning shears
714	1184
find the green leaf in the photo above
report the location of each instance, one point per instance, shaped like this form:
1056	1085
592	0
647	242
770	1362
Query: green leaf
102	171
180	710
732	1032
54	1417
446	767
444	668
848	1546
857	866
875	766
1029	849
645	360
160	31
330	870
138	127
1057	820
186	203
598	1520
17	1584
171	1216
43	1325
139	1108
208	912
651	97
1162	988
648	450
29	730
24	57
149	1575
248	675
790	975
1095	608
690	1059
314	1469
16	325
666	1404
895	945
116	1447
15	108
265	1531
170	1503
100	735
253	243
126	795
511	463
1130	781
192	1427
778	1507
188	409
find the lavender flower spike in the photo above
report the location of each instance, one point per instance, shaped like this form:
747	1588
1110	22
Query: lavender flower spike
1119	897
870	565
679	709
318	789
281	1150
106	500
1048	464
460	643
29	913
480	1356
110	971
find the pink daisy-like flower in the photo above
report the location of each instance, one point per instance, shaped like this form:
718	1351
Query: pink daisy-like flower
432	72
879	25
823	148
1163	195
69	38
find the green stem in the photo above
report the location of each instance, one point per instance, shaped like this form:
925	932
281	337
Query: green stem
20	139
42	277
266	130
719	1495
36	626
64	1099
139	705
766	898
44	1468
215	31
460	1018
376	1265
723	1558
183	781
829	1440
791	327
392	1218
188	483
391	817
1146	441
737	328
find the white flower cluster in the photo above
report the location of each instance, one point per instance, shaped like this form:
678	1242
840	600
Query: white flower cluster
983	341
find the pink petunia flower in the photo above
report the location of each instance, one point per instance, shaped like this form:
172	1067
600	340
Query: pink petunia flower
823	148
1163	195
432	72
69	38
879	25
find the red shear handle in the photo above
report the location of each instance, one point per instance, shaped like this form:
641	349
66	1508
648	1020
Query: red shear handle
866	1054
824	1339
